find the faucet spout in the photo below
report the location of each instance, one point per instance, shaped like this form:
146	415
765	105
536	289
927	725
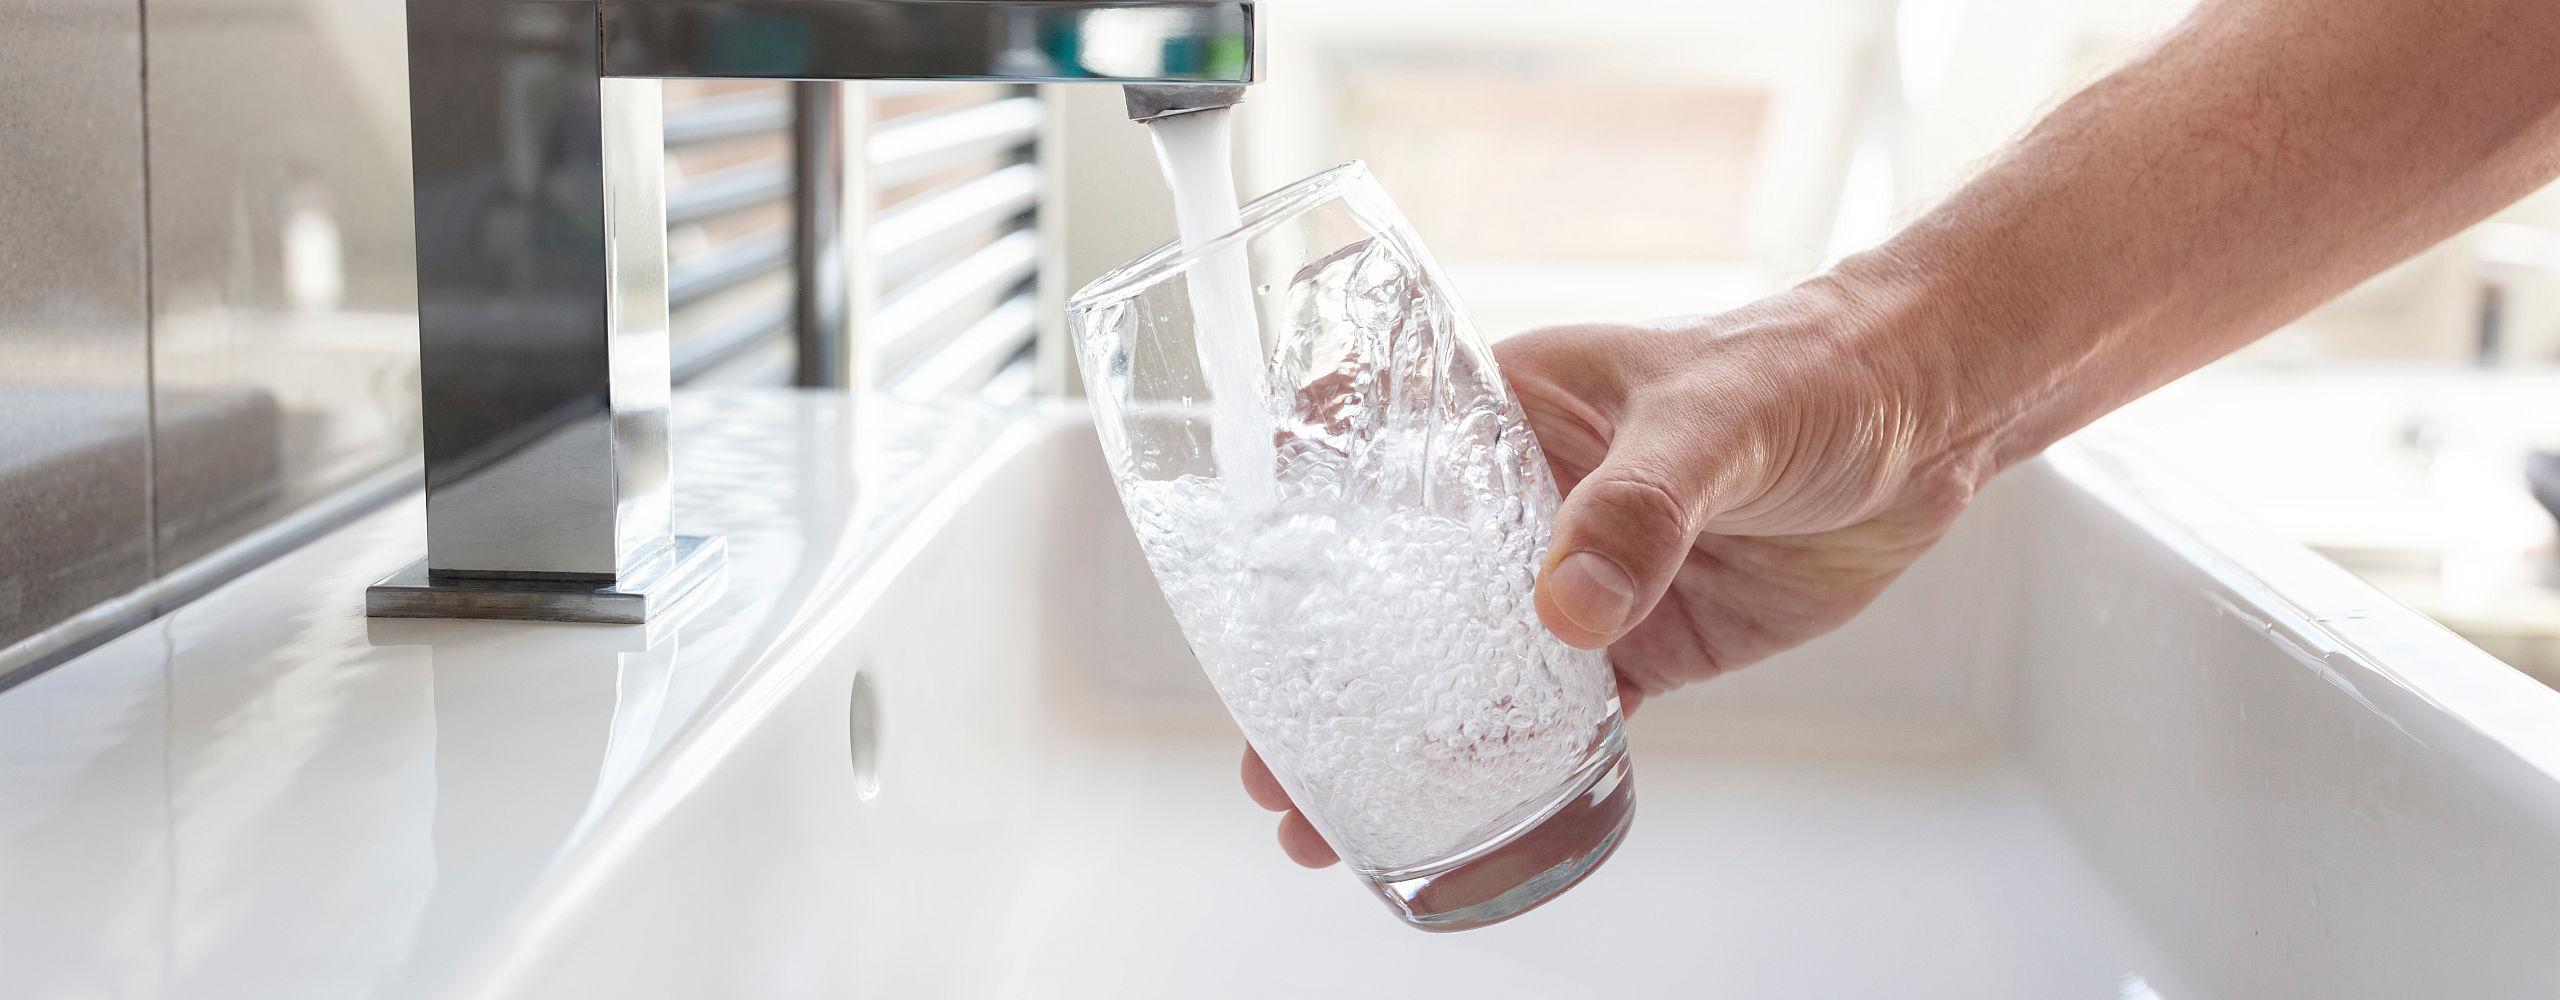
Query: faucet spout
542	265
1148	102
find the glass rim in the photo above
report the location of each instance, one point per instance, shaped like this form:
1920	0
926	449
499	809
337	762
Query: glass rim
1259	216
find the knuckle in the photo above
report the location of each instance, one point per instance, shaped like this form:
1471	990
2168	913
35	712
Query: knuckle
1640	501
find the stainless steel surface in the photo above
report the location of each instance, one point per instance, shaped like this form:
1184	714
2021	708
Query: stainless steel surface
541	212
283	278
643	593
1148	103
636	327
1145	41
75	505
818	316
542	295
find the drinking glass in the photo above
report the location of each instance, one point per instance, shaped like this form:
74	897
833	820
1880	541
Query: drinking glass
1349	538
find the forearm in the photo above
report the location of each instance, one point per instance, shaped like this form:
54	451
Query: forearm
2264	157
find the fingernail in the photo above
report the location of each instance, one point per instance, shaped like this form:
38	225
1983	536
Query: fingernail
1593	591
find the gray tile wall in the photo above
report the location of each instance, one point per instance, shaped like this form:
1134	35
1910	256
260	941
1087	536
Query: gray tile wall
283	291
265	354
75	503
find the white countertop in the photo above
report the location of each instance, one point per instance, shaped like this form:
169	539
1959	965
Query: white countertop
267	794
2101	743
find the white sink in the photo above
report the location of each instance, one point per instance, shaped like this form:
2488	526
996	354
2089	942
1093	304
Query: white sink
2411	474
2103	743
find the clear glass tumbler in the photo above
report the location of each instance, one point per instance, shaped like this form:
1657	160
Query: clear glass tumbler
1350	548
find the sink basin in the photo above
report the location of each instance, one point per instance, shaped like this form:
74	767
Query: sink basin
2107	741
2417	476
2080	752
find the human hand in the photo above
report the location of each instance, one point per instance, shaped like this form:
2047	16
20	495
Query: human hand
1734	486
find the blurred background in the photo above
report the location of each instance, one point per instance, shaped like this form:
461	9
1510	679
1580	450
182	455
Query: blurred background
1638	158
182	387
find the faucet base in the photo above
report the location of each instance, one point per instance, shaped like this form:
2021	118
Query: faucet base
645	593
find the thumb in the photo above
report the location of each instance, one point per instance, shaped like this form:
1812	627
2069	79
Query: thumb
1621	536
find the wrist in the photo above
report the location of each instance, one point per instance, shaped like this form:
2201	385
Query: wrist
1819	397
1960	354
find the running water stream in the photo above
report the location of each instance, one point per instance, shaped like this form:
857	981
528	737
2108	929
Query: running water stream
1197	152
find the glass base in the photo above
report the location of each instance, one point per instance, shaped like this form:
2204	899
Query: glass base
1536	865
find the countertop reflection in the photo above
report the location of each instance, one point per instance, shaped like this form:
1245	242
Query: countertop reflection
268	759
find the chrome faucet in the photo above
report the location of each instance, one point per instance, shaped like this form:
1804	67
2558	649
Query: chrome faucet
542	264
